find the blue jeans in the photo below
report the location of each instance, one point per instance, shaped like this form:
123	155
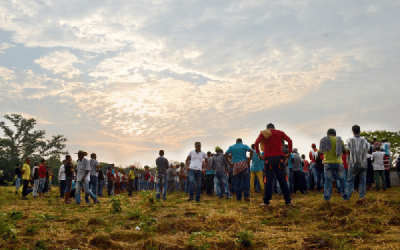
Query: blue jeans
220	181
319	178
85	184
92	187
68	184
330	170
307	177
242	182
17	184
195	179
35	187
291	180
351	176
41	184
145	185
161	182
100	188
275	165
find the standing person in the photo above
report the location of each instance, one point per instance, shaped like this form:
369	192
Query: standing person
146	178
312	157
332	147
357	149
256	169
151	181
386	164
220	167
171	178
274	158
379	168
209	175
162	182
69	176
35	179
241	171
26	176
182	177
61	178
131	178
297	173
18	176
110	180
306	166
100	179
196	158
345	165
42	177
94	169
83	178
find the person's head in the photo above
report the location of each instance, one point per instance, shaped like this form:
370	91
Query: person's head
17	165
197	146
270	126
182	165
68	158
43	161
161	153
313	145
209	154
27	160
303	157
374	139
331	132
356	130
81	154
253	146
295	151
37	163
378	148
93	156
64	161
239	140
218	149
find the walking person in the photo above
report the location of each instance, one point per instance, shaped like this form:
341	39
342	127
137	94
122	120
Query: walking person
100	179
274	161
18	176
379	168
196	158
220	167
61	179
26	176
209	175
240	165
83	178
332	147
94	170
357	149
161	182
69	176
256	169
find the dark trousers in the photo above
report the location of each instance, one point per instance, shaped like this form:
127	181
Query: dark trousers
62	188
130	187
275	165
171	186
25	188
109	187
320	177
209	183
298	182
387	178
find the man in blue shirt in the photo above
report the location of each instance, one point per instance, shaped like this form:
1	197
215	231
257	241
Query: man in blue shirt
240	166
256	169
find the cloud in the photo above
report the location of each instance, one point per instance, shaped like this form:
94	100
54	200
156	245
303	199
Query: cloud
5	46
60	62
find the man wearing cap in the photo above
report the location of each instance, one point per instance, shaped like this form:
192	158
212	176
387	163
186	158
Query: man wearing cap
94	169
83	178
219	165
274	158
162	182
240	165
332	147
196	158
131	180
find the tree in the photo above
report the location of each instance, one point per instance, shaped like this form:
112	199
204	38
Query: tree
392	137
23	141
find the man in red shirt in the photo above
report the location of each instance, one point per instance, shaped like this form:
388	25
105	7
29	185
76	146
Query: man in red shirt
42	176
274	161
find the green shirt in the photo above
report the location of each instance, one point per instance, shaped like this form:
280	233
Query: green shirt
330	157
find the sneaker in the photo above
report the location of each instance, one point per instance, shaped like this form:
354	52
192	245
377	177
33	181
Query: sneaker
263	205
96	201
228	198
247	199
189	199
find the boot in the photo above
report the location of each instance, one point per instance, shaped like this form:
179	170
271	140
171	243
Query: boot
66	199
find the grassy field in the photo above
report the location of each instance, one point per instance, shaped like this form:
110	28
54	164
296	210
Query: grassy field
373	223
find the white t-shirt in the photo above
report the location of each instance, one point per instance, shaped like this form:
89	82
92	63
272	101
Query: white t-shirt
196	161
82	167
377	157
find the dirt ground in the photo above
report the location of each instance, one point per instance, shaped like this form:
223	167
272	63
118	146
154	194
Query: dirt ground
47	223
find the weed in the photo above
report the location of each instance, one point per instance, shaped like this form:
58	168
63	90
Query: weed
116	204
40	245
135	214
7	229
198	240
14	215
245	238
31	229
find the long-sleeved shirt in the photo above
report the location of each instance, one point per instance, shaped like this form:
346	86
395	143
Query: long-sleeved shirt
42	171
61	173
273	145
219	163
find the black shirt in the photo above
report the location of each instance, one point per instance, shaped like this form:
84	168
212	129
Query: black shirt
101	175
18	172
68	167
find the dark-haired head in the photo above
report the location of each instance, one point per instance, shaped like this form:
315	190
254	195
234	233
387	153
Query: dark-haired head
356	129
239	140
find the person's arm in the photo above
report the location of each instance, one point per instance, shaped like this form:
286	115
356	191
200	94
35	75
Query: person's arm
251	156
257	143
290	143
187	160
310	156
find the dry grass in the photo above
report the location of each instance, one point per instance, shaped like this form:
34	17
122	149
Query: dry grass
373	223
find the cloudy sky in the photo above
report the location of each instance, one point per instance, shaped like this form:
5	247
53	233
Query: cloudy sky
127	78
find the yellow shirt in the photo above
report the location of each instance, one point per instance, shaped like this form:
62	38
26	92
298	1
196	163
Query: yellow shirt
131	175
330	157
27	173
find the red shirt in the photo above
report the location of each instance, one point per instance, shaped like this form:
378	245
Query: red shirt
344	159
305	167
311	155
42	171
273	145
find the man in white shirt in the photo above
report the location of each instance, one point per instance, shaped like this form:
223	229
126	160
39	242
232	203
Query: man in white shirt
379	168
83	178
61	178
94	169
196	158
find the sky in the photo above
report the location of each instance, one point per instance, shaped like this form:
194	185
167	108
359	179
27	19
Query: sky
125	79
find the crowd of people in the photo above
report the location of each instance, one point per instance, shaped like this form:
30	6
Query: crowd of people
270	165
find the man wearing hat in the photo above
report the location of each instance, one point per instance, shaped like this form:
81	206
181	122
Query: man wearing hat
332	147
83	178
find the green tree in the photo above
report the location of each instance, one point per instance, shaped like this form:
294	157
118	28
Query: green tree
392	137
20	140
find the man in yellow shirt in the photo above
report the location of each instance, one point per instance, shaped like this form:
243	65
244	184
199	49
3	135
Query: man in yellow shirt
333	147
131	179
26	176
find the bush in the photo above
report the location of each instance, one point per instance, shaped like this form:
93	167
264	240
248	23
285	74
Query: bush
116	204
245	238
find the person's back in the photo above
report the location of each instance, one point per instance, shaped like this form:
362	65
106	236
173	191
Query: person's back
377	160
219	163
170	176
331	156
273	144
162	165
